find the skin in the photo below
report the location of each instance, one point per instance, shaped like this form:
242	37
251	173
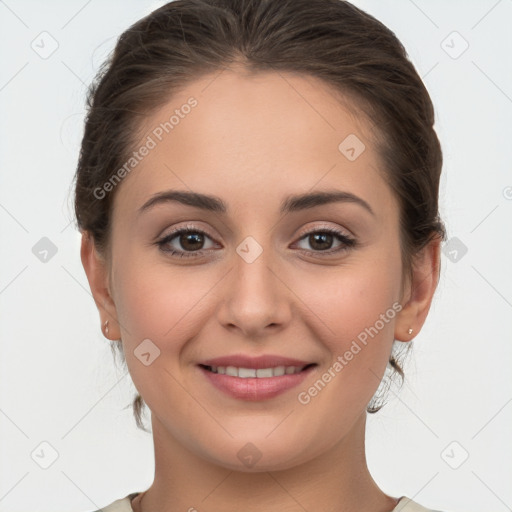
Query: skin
252	141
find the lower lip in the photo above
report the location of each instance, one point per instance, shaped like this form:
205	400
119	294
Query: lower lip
253	388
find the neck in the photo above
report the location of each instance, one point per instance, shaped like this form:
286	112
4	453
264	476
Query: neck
336	480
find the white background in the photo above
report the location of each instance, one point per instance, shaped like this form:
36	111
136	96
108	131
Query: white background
58	380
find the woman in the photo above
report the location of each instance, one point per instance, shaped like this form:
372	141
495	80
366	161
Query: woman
257	192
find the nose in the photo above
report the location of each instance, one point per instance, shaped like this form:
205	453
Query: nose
255	299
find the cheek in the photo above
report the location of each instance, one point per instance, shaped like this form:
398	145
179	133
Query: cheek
355	310
157	303
351	299
354	321
168	304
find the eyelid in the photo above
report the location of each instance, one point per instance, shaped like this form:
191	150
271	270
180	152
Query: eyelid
327	227
189	226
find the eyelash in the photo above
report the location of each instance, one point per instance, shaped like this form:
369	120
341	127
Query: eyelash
348	243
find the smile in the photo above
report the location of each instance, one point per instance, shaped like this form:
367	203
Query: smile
255	384
258	373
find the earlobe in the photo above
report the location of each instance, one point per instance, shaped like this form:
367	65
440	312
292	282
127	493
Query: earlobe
95	267
425	276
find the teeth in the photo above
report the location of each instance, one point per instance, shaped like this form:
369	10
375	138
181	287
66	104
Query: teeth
246	373
279	370
230	370
263	372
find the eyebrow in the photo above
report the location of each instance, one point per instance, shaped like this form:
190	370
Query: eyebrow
293	203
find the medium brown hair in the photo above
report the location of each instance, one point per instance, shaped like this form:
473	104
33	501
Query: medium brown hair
351	51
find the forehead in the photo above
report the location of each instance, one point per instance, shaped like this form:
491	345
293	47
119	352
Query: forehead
253	138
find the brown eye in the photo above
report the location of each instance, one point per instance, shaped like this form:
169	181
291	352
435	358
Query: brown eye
182	241
321	241
191	241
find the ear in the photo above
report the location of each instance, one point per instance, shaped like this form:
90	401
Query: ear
96	269
420	291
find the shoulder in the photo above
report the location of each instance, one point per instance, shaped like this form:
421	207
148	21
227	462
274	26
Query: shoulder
407	505
120	505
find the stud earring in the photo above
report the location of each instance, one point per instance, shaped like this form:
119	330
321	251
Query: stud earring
410	331
105	326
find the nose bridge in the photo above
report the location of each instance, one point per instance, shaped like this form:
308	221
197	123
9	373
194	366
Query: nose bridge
255	296
255	281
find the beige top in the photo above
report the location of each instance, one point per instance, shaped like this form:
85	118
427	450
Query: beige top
124	505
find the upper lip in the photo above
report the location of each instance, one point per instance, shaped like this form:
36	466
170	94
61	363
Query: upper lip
257	362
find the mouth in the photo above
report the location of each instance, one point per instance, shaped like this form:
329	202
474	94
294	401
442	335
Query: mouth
258	373
255	379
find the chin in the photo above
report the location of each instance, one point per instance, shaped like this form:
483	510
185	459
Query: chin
257	454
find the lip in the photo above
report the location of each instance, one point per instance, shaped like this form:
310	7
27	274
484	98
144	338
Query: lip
255	389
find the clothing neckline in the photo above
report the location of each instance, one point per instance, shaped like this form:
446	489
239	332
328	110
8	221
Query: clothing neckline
403	500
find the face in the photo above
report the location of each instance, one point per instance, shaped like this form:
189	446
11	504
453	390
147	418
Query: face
312	291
